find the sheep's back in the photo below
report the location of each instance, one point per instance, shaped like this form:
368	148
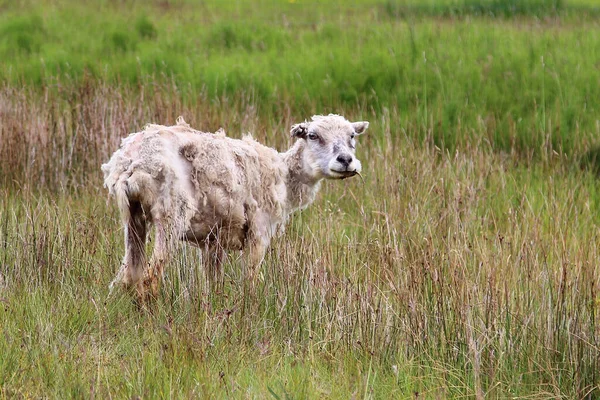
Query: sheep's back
229	172
202	181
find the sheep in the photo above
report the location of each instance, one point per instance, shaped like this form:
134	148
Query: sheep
216	192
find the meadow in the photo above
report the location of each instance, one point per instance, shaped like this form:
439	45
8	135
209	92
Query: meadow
465	264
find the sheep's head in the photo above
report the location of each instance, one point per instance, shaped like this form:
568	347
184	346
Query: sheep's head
330	141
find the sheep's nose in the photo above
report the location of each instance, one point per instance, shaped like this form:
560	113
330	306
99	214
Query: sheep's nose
344	159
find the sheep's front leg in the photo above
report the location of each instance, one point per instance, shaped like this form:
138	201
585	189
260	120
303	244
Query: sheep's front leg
213	265
253	257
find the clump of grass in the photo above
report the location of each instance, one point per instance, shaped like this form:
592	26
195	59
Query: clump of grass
22	35
145	28
486	8
120	41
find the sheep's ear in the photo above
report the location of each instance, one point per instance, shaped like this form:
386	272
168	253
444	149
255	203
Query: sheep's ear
299	130
360	127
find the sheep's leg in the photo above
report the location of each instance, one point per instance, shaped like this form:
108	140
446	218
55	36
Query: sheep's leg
160	256
132	268
213	265
253	257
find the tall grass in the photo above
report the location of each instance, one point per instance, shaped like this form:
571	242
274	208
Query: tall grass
56	138
445	274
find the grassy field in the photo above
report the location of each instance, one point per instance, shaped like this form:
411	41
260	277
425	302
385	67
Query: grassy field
464	265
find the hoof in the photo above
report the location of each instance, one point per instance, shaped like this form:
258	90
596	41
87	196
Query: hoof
151	286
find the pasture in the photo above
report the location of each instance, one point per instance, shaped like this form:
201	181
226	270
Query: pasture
465	264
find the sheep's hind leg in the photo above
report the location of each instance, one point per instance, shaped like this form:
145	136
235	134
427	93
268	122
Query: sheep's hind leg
163	244
132	268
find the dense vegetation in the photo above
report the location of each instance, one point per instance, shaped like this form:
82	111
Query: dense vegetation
465	264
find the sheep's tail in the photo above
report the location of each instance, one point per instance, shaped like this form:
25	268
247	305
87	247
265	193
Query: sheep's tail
116	181
130	184
181	122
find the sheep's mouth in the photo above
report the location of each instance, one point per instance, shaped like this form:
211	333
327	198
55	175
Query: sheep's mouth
344	174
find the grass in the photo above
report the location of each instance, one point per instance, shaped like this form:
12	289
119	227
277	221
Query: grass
378	55
465	265
467	274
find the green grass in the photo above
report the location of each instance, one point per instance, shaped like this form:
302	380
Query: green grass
489	8
465	265
524	81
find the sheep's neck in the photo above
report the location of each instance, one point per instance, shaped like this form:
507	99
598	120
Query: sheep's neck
302	185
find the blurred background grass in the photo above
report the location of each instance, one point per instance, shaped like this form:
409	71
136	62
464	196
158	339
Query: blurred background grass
522	73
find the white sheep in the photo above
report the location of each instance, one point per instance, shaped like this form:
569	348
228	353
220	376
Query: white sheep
216	192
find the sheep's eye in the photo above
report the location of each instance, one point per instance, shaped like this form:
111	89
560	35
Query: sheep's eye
313	136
